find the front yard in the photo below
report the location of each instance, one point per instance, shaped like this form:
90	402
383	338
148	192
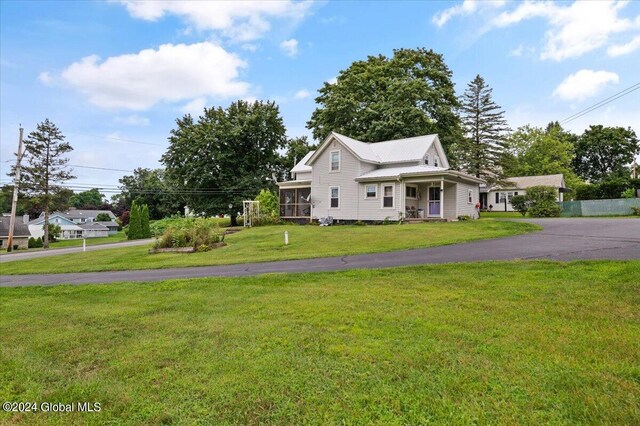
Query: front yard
266	243
491	343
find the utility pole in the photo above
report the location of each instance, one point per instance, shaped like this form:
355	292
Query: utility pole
14	201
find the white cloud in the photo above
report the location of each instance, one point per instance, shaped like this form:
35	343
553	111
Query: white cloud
584	84
333	80
290	47
236	20
624	49
573	30
251	47
195	107
517	51
467	7
172	73
302	94
45	78
133	120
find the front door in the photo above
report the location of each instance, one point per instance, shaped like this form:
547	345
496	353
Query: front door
434	201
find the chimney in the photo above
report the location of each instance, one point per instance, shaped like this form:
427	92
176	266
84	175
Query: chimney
25	219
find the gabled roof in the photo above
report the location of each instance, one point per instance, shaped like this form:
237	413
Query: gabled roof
104	223
386	152
67	222
302	167
20	229
523	182
93	226
84	213
410	171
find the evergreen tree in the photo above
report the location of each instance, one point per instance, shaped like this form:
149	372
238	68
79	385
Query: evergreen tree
44	168
144	219
481	152
135	224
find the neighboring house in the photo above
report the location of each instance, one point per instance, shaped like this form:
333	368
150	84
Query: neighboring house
82	216
21	232
351	180
69	230
499	197
93	230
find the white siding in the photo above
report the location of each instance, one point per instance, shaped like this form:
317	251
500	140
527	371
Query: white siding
323	179
465	208
303	176
450	200
372	209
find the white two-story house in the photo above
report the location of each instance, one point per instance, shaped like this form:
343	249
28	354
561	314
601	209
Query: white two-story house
350	180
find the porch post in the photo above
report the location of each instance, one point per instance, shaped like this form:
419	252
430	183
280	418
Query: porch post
441	198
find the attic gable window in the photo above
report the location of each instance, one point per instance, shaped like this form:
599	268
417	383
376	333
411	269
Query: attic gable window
426	159
436	161
335	161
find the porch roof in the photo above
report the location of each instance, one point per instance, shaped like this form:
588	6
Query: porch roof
414	171
295	184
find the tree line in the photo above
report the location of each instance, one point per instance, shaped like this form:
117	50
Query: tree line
228	155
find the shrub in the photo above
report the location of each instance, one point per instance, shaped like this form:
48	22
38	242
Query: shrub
135	223
54	232
464	217
520	204
268	203
39	242
103	217
542	201
124	219
199	233
145	230
31	243
629	193
636	211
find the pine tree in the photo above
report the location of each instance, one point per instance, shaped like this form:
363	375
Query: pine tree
135	224
481	152
146	229
45	167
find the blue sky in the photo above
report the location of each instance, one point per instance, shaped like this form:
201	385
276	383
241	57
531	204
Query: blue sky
106	72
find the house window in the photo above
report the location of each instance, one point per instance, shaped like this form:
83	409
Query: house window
509	197
371	191
435	161
334	192
469	196
335	161
426	159
412	192
387	199
497	197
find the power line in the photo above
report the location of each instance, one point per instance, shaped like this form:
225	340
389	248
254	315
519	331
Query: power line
602	103
115	139
100	168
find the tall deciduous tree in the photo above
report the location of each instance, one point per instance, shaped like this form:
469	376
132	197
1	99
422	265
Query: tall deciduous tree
605	152
45	167
532	151
409	94
91	199
296	148
150	187
226	157
480	153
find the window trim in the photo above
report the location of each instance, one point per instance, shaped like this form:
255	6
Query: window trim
393	196
366	196
331	198
469	196
405	192
331	161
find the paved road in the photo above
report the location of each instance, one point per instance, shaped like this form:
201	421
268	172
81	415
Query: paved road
561	239
11	257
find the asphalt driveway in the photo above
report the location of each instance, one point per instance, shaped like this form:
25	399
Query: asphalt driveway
561	239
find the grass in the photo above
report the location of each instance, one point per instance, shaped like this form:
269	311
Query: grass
492	343
116	238
501	215
266	243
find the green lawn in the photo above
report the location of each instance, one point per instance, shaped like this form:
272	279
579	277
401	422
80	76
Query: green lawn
489	343
267	243
116	238
501	215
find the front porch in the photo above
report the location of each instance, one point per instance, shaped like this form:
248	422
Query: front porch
429	200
